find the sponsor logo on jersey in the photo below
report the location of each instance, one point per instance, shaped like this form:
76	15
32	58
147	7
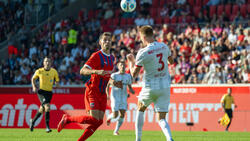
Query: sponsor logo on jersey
92	105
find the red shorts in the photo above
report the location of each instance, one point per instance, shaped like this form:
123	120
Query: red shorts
94	100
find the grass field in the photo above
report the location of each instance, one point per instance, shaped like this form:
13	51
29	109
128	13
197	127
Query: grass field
106	135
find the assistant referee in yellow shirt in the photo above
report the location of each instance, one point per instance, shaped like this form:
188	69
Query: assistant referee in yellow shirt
47	76
226	101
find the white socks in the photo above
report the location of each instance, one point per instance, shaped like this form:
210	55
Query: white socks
118	124
165	129
139	121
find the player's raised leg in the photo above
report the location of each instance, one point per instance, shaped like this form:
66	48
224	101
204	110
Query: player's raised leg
98	115
66	119
111	116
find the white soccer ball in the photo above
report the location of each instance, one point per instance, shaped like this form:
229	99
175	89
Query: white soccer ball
128	5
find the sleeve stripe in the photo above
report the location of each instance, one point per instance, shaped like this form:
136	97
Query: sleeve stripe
85	65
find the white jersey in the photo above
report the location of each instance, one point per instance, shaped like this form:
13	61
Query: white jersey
154	60
118	95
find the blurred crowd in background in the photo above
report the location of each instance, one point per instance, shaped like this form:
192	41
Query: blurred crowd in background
208	49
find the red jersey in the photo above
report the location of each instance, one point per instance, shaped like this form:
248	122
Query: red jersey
99	61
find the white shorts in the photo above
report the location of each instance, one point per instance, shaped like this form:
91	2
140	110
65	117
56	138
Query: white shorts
118	101
160	98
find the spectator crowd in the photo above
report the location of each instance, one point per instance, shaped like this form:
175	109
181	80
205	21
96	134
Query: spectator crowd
217	52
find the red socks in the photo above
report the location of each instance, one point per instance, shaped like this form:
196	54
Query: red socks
82	119
93	125
90	130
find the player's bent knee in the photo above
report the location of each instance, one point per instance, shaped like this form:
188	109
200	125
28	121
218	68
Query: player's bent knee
47	107
41	109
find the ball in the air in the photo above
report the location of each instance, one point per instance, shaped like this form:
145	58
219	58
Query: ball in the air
128	5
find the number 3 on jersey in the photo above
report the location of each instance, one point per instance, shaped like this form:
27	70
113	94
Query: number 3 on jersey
160	62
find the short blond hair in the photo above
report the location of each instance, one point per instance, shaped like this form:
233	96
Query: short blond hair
146	30
105	34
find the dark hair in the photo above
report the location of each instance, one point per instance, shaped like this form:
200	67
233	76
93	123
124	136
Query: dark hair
147	31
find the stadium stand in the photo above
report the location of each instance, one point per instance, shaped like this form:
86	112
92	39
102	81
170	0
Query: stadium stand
209	41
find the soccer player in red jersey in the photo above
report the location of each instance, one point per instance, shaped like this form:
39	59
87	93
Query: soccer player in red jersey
100	66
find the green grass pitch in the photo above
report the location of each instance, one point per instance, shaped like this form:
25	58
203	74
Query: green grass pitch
106	135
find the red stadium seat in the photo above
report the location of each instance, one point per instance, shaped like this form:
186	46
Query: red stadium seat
117	12
166	20
228	9
198	2
174	20
196	10
243	10
103	22
130	21
116	21
212	11
123	22
158	20
162	2
96	13
235	9
189	19
91	14
109	21
191	2
205	2
220	9
153	12
205	12
170	1
155	3
180	19
248	8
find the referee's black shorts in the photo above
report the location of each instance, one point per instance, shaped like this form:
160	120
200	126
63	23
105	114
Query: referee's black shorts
229	113
44	96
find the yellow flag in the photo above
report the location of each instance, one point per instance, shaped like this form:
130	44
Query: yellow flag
224	121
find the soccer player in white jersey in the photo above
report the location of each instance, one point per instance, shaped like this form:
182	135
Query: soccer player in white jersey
119	96
154	58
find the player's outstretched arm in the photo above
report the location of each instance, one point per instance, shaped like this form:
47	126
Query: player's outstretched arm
87	71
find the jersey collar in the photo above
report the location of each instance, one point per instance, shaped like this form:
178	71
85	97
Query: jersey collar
105	53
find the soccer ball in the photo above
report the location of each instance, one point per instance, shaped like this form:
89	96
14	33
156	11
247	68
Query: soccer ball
128	5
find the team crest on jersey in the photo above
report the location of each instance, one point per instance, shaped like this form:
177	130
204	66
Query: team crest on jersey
92	105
